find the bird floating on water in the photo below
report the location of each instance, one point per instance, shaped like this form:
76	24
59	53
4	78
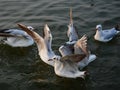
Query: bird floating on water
65	66
16	37
106	35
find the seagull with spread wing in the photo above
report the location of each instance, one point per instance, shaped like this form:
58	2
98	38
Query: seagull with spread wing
65	66
72	34
75	46
43	43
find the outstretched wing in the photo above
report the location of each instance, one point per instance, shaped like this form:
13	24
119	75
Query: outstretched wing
74	57
72	33
12	33
47	33
38	39
81	46
47	37
66	49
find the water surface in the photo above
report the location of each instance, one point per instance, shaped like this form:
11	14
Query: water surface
22	68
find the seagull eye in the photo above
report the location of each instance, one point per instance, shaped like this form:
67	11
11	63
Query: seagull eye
30	27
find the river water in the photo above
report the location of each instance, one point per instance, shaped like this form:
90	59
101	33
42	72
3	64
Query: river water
22	68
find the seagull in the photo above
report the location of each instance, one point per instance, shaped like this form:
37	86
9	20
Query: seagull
72	34
80	47
16	37
105	35
63	66
67	66
73	46
43	43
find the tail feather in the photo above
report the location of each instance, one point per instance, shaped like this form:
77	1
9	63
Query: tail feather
4	31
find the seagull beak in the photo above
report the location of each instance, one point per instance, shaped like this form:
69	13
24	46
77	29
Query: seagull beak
85	74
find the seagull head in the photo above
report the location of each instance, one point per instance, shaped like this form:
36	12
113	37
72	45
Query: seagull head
30	27
99	27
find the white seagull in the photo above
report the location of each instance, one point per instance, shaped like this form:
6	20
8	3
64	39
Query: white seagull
65	66
80	47
16	37
72	34
105	35
43	43
73	46
68	65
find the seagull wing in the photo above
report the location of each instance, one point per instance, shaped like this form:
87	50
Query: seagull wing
47	33
107	34
73	58
6	35
81	46
47	37
38	39
5	31
12	33
72	33
66	49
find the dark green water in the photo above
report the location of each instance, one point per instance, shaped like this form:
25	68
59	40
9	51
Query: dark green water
22	68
